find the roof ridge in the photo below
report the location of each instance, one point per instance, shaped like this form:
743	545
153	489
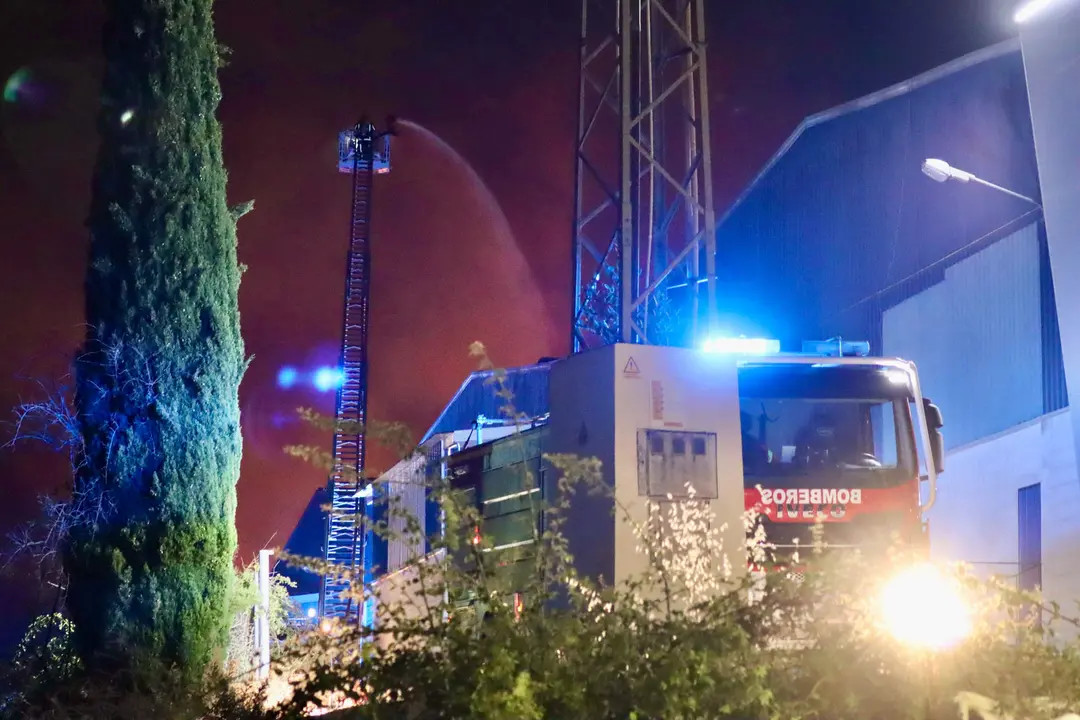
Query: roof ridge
475	375
895	90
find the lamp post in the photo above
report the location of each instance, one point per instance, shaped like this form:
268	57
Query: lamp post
262	616
941	171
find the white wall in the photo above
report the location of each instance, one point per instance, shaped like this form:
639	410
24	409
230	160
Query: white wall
600	400
1053	85
975	518
406	483
400	591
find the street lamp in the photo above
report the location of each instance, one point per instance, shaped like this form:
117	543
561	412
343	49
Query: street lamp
262	616
1033	8
923	608
940	171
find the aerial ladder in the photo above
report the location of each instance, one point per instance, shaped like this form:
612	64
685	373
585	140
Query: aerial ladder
363	152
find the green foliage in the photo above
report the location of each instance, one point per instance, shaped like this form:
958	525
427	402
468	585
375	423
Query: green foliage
394	436
691	636
143	690
44	659
242	655
246	596
238	211
158	378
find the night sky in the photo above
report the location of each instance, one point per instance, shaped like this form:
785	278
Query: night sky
460	254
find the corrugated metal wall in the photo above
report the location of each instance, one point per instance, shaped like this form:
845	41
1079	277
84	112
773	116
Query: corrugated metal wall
1029	547
977	338
482	394
1055	390
406	484
844	235
845	214
864	319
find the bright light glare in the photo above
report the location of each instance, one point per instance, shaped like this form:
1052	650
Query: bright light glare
936	170
741	345
327	378
923	608
1030	10
897	377
287	377
311	612
940	171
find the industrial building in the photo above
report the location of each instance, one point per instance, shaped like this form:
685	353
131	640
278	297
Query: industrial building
306	540
599	404
844	234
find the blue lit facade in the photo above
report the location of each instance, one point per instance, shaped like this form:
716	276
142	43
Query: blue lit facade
306	540
842	234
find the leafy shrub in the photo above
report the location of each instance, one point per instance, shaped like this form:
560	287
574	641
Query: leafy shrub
692	636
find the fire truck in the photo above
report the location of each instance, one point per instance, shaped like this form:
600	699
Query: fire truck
835	437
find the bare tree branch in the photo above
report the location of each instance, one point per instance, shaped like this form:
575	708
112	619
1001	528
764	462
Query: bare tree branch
51	418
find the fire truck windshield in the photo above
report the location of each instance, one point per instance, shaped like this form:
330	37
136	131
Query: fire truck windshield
843	425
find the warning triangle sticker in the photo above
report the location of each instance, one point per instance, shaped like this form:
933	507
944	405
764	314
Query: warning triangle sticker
631	368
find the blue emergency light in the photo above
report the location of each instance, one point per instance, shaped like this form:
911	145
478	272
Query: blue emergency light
741	346
287	377
327	378
836	347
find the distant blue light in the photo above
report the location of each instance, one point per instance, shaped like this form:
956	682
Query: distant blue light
287	377
327	378
836	348
741	345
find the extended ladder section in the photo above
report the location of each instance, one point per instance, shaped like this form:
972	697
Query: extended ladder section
345	545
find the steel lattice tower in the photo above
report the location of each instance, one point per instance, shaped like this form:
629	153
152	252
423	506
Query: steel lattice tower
643	215
363	152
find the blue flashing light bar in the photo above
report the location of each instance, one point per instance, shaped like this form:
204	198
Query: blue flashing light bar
741	346
836	348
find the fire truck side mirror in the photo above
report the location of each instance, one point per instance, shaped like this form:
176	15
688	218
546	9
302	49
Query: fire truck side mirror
934	423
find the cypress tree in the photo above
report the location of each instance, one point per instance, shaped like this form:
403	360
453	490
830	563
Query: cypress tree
149	559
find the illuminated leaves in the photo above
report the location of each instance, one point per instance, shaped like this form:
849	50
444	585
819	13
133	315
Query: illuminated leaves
693	635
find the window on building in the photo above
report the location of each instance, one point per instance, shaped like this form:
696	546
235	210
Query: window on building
1029	526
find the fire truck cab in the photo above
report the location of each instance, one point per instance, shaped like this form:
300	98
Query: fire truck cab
834	436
